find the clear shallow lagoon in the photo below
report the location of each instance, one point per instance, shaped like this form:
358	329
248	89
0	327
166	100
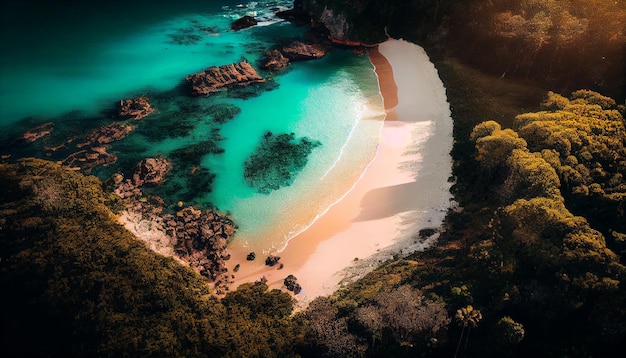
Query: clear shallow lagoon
72	65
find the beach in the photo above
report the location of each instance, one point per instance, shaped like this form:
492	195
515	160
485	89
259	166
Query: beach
405	188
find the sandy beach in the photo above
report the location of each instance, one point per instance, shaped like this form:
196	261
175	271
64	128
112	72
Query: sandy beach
404	189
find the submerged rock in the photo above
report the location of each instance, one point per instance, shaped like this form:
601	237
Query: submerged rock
36	133
136	108
88	158
107	134
214	79
277	160
151	171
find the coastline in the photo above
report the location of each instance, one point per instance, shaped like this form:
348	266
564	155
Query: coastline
386	82
404	189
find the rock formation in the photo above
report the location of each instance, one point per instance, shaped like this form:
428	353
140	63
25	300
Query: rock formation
272	260
135	108
94	149
194	236
214	79
300	51
151	171
107	134
89	158
291	283
201	238
243	23
275	60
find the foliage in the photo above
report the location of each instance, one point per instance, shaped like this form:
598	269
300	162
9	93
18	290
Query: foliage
584	140
396	321
76	283
553	42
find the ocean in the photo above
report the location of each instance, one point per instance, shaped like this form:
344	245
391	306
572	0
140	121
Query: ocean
274	156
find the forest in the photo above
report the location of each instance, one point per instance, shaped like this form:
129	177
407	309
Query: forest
530	263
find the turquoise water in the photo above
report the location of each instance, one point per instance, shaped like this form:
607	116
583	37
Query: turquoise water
72	64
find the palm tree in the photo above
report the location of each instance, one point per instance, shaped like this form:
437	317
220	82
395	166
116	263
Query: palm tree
467	317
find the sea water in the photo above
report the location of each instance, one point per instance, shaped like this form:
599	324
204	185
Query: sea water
71	63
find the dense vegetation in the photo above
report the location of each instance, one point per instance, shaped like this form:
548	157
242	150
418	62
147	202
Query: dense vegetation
76	283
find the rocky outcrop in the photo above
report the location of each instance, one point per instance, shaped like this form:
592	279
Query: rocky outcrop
275	60
136	108
201	238
149	171
336	24
272	260
243	23
196	237
291	283
214	79
360	22
300	51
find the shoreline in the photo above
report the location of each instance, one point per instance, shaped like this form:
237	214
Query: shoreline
403	190
386	82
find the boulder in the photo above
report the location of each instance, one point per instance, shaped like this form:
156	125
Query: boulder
243	23
291	283
150	171
272	260
275	60
136	108
214	79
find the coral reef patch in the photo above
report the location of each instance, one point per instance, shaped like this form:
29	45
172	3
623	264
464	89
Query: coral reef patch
277	160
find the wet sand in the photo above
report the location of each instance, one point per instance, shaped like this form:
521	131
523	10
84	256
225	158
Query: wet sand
404	189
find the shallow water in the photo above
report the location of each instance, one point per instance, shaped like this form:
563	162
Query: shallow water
72	63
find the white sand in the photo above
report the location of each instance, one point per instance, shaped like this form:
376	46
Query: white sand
404	189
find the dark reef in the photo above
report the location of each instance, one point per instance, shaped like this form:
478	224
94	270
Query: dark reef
277	160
